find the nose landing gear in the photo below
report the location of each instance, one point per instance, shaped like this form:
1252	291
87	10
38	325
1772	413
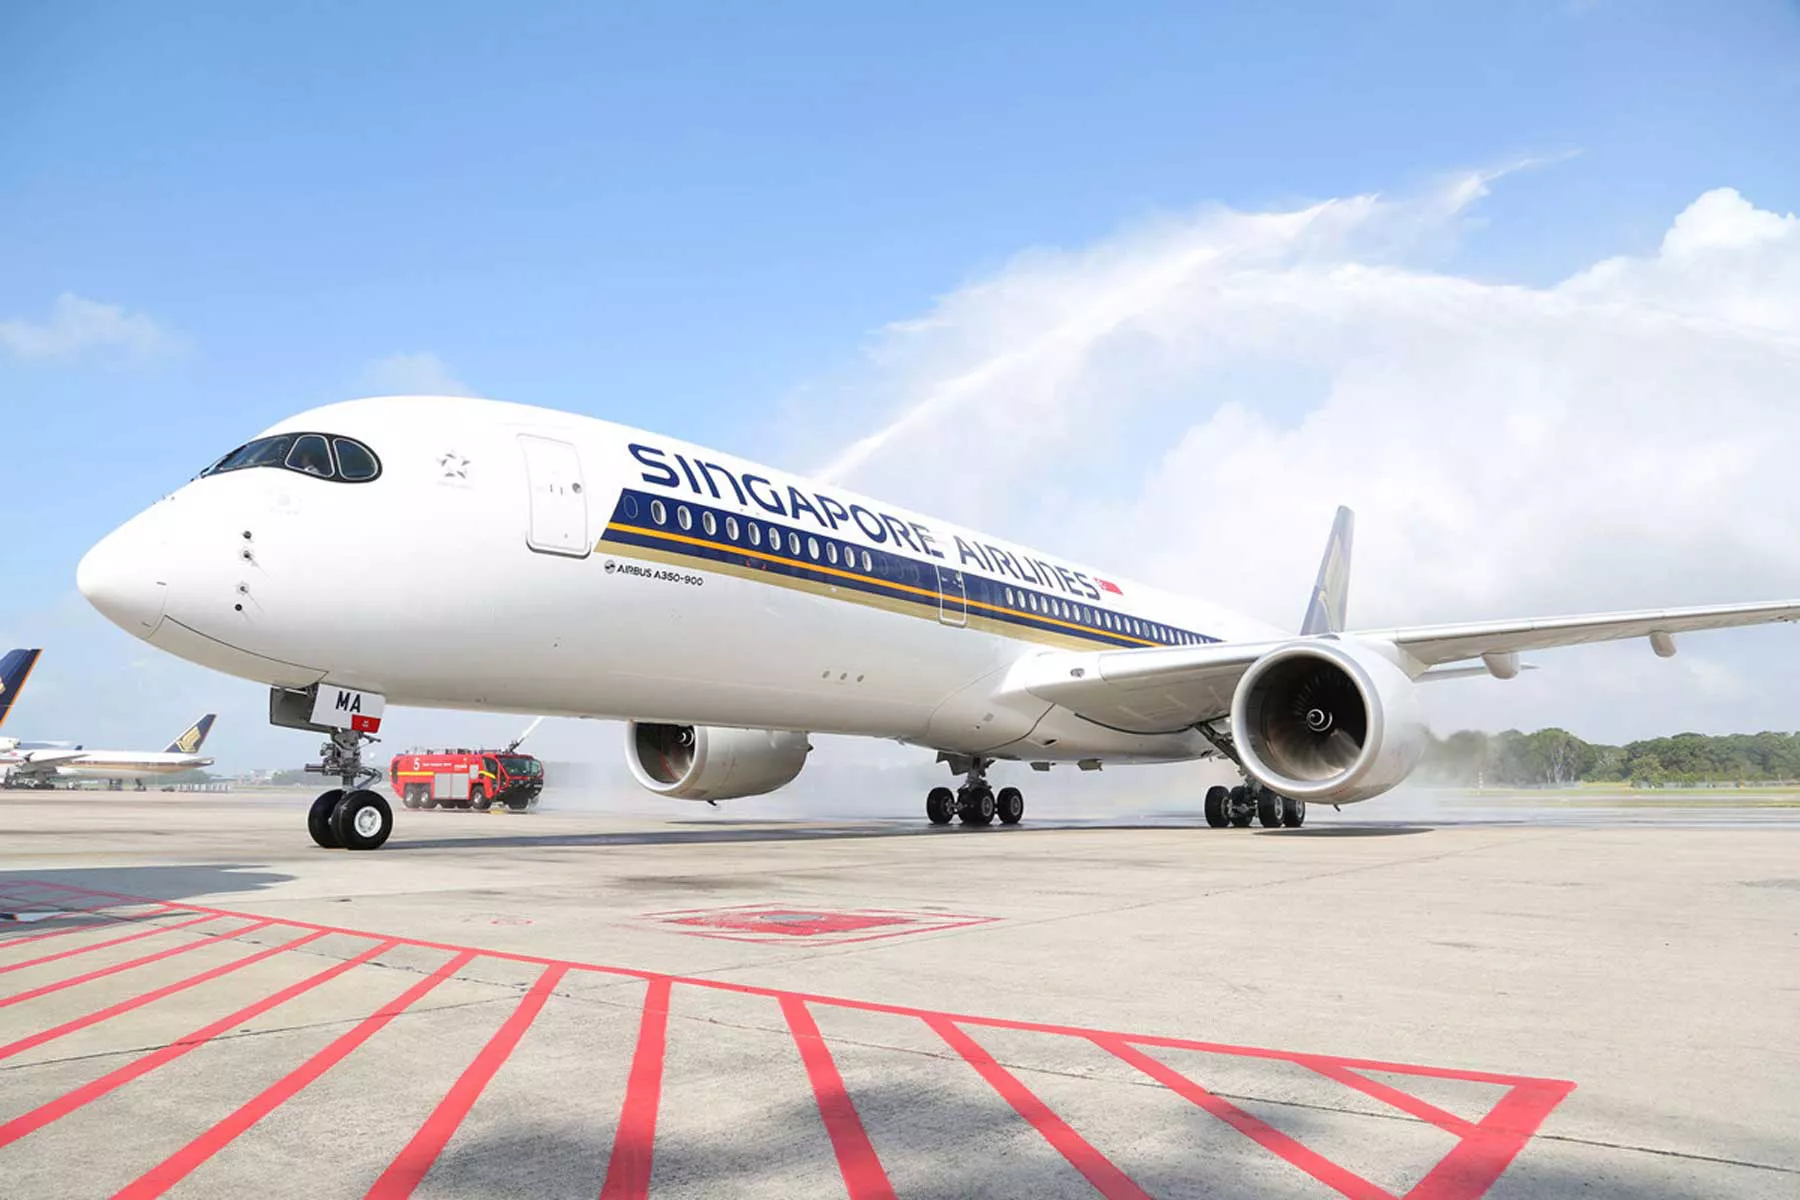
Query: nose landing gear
351	817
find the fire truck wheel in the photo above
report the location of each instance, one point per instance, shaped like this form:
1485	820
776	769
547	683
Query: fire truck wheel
318	819
520	804
478	800
362	820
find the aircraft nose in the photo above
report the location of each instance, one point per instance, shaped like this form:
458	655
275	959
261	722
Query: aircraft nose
121	576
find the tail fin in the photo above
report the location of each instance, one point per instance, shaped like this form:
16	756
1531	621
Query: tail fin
193	737
1331	594
15	669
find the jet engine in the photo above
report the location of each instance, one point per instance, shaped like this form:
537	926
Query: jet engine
708	762
1329	721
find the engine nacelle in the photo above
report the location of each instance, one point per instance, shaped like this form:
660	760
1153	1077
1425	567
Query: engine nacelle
707	762
1328	721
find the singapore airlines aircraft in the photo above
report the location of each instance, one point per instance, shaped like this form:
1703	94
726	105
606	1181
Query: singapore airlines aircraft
38	763
466	553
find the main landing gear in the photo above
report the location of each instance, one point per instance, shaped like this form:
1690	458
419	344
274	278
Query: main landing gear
1248	802
975	802
351	817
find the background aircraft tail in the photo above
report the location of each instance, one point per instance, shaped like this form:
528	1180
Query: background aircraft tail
1331	594
15	669
193	737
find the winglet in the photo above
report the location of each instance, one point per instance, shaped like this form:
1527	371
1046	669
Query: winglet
15	669
193	737
1331	594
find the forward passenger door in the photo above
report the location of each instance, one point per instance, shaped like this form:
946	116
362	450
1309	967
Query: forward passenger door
558	505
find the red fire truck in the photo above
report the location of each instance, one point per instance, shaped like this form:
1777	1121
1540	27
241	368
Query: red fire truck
465	778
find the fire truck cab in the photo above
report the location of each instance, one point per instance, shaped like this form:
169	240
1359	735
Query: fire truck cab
475	779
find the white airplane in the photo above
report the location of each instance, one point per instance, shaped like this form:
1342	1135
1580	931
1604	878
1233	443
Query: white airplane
39	763
465	553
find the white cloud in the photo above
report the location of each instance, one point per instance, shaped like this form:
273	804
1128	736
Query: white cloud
77	326
421	374
1190	401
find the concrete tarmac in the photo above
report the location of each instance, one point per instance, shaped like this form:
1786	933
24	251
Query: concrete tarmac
195	1000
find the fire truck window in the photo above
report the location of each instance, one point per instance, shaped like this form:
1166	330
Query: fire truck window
659	512
709	523
355	461
731	528
311	456
683	516
263	452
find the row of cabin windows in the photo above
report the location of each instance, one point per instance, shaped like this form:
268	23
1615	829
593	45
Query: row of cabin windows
753	533
828	552
321	455
1097	617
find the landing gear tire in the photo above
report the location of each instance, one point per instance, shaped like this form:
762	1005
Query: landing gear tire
1240	807
940	805
1268	809
1216	799
1293	812
978	805
318	819
1010	803
362	820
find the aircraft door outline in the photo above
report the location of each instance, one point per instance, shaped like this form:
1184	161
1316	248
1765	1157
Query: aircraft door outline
557	520
953	596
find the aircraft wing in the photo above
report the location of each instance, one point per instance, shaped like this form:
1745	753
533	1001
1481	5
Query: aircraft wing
1166	688
48	758
1434	644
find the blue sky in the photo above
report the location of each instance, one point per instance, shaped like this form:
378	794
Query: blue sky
685	215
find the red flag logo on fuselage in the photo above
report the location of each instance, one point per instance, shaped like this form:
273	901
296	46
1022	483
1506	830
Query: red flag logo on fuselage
1107	585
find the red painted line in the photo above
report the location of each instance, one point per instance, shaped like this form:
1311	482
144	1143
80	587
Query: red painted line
124	1006
177	1166
1137	1039
1468	1171
62	1106
1344	1182
102	972
1404	1101
634	1142
864	1177
118	941
9	943
1099	1170
414	1161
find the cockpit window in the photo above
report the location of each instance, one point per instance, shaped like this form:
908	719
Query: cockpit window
310	456
320	455
263	452
354	460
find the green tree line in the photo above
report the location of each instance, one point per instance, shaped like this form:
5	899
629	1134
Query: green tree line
1557	758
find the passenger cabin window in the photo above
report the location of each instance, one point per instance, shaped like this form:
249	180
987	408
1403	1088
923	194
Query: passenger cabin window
320	455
